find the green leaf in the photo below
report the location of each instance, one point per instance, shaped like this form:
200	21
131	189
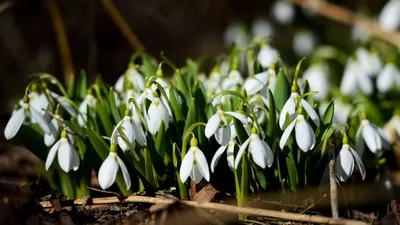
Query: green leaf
66	184
240	131
191	116
260	175
113	106
101	147
282	90
291	168
81	86
328	114
32	137
149	65
272	115
175	105
71	87
182	86
105	117
309	98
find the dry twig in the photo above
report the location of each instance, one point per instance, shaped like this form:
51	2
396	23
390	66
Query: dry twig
224	208
346	16
333	189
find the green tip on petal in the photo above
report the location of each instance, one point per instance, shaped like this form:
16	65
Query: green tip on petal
193	142
300	110
34	88
129	86
131	65
159	71
64	133
156	94
219	107
26	99
294	85
345	140
363	116
44	84
113	147
397	111
253	130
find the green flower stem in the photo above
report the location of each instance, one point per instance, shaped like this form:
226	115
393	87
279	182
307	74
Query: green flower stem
54	81
298	67
139	112
244	183
186	136
182	187
237	186
148	167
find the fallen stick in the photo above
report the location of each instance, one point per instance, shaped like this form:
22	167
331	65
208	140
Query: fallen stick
224	208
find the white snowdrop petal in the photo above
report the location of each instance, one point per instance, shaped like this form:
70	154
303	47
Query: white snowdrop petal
125	173
186	166
52	154
240	152
202	164
286	134
212	125
242	118
115	132
252	85
344	164
119	85
108	171
360	148
360	163
42	121
389	19
267	56
348	84
76	160
217	156
196	174
311	112
365	84
223	135
305	137
270	154
372	139
14	124
258	152
65	155
230	155
290	108
139	134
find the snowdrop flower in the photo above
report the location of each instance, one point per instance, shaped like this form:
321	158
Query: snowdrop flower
68	157
255	84
388	78
131	131
344	164
156	114
369	134
229	148
90	102
290	109
49	139
109	168
260	151
355	78
218	125
132	76
283	12
27	111
304	43
368	62
267	56
236	33
389	18
305	137
318	78
65	103
194	164
234	78
262	28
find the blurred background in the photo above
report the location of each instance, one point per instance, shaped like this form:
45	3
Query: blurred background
179	28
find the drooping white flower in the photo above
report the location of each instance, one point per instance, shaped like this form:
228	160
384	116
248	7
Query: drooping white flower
369	134
156	114
234	78
68	157
283	11
388	78
131	131
290	109
369	62
260	151
49	139
305	137
255	84
218	125
65	103
304	43
132	76
262	28
354	79
267	56
236	33
389	18
229	148
108	171
90	102
318	78
344	164
194	164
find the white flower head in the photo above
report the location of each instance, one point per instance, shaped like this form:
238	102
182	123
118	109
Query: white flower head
355	78
304	43
283	11
262	28
370	135
290	109
218	125
267	56
68	157
132	76
229	148
156	114
255	84
109	169
236	33
389	18
129	129
234	78
260	151
305	137
344	164
318	78
194	164
89	101
388	78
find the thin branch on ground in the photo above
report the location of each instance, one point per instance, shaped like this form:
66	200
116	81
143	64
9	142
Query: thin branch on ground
223	208
62	41
348	17
123	25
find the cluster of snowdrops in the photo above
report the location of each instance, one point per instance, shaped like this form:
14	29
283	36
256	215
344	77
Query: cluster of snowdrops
276	127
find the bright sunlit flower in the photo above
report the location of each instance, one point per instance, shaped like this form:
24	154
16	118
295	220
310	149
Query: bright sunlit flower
194	164
68	157
234	78
130	130
255	84
283	11
90	102
229	151
305	137
389	18
369	134
218	125
267	56
368	62
355	78
156	114
132	76
318	78
49	139
109	168
304	43
388	78
344	164
260	151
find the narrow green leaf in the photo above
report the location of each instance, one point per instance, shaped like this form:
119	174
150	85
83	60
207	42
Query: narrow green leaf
71	87
81	86
175	105
105	117
240	131
328	114
260	175
272	115
291	168
282	90
191	116
66	184
113	106
182	86
149	65
99	144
